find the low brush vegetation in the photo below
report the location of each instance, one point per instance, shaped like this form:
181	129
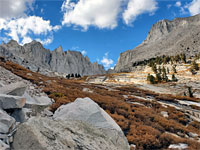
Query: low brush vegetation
142	124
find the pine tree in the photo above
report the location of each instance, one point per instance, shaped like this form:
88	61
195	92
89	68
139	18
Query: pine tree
174	69
177	58
159	70
163	70
72	75
167	70
166	59
166	78
164	75
171	60
158	60
195	66
190	92
76	75
174	79
192	71
68	76
183	58
158	77
151	79
148	77
154	68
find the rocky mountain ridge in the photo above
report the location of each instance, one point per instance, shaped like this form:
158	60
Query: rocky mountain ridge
38	59
181	35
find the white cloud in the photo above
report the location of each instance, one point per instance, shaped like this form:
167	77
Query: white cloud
138	7
107	62
23	28
178	4
25	40
46	41
84	52
2	24
194	7
14	8
75	48
85	13
15	24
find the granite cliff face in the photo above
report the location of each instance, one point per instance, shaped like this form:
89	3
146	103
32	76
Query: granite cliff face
165	38
36	58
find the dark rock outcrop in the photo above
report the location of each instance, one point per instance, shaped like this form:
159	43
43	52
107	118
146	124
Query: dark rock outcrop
38	59
181	35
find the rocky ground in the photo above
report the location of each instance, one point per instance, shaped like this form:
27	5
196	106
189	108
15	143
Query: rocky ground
6	78
149	119
19	100
26	122
139	76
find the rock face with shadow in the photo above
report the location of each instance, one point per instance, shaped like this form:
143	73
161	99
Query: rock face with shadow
181	35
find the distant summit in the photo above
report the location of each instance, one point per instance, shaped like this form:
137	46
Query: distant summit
35	57
181	35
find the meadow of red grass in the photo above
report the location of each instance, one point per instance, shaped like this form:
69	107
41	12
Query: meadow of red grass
143	125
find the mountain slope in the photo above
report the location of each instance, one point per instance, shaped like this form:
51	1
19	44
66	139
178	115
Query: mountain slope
36	58
181	35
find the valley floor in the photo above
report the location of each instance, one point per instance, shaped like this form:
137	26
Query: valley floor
151	116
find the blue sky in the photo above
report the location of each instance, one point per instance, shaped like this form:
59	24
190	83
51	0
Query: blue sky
101	29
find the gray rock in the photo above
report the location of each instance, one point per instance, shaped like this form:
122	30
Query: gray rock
6	122
180	146
1	84
180	35
48	134
88	111
37	100
133	147
87	90
4	146
193	135
10	102
15	89
21	115
38	59
47	113
37	104
164	114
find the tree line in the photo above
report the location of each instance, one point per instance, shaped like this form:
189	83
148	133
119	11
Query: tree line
161	73
76	75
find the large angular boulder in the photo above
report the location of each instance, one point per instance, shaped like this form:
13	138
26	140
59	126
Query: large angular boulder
48	134
6	122
15	89
86	110
11	102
